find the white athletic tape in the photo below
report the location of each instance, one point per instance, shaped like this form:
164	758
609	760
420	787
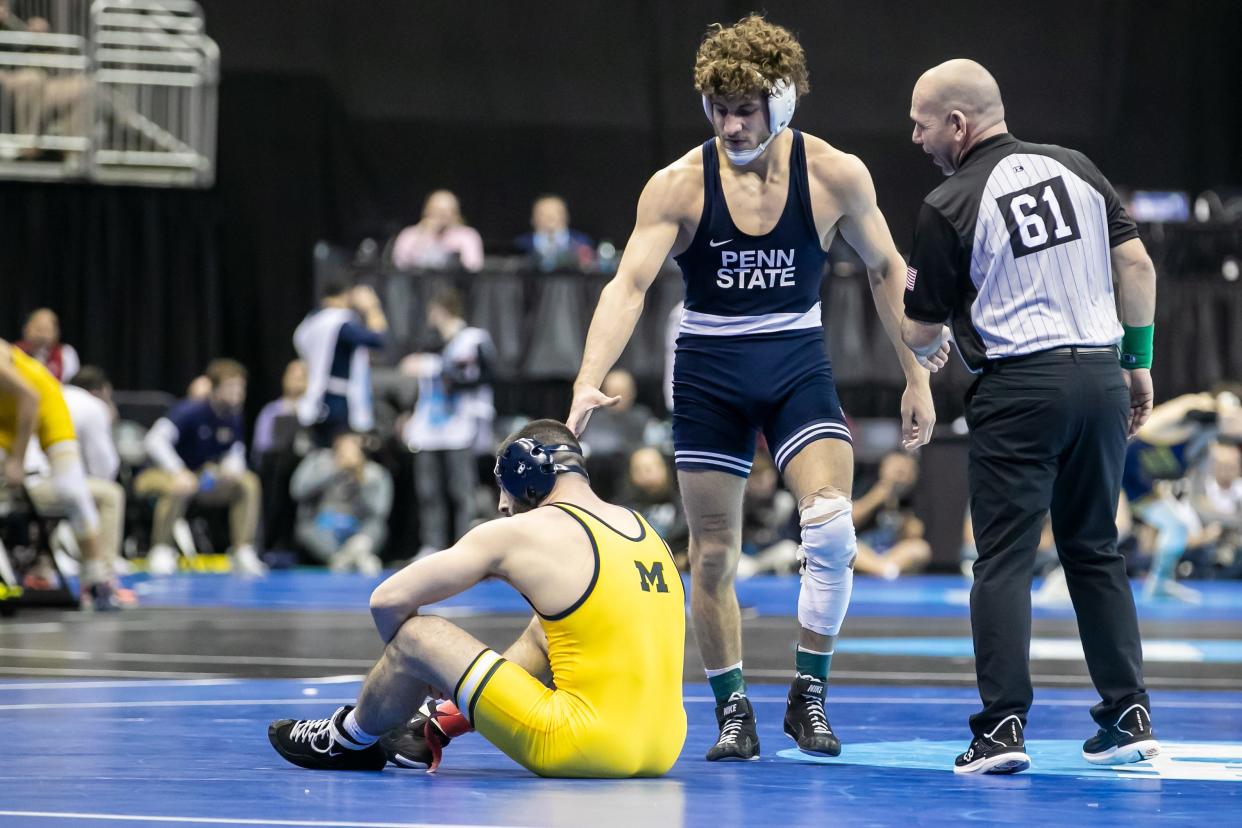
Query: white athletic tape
828	570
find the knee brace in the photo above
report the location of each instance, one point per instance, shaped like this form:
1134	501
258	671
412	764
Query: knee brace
69	481
829	549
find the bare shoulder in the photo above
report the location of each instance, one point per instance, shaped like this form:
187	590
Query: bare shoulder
537	529
837	170
675	191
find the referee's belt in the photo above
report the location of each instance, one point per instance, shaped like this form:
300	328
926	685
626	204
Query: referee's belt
1071	351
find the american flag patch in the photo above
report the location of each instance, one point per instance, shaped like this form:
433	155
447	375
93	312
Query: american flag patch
911	275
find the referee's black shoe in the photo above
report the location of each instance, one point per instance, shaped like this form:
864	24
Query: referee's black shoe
319	744
1129	739
1000	750
805	721
739	737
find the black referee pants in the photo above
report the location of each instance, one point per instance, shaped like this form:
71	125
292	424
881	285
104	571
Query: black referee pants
1048	431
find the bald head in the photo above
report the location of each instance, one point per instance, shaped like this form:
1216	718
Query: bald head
954	106
965	86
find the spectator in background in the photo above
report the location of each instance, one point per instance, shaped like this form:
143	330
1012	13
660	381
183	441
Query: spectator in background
199	455
33	410
1220	500
552	244
890	537
619	428
89	397
333	342
616	431
452	420
292	387
343	504
440	240
41	340
651	490
89	400
9	22
199	388
1219	503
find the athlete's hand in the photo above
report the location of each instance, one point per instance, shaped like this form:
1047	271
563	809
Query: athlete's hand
934	355
1138	381
587	398
918	415
14	471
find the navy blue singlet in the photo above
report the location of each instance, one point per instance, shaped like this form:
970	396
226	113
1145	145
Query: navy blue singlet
750	352
735	282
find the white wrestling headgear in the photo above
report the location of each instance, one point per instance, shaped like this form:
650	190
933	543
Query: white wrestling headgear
782	101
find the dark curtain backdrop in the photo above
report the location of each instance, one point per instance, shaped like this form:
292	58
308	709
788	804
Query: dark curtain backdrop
338	117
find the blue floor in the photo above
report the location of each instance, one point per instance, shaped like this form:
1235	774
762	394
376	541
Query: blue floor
923	596
196	752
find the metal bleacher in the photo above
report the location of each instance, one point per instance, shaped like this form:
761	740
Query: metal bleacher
115	91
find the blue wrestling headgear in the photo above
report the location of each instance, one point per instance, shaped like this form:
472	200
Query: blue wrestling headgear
525	469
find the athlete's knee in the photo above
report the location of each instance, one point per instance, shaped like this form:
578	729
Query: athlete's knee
829	547
390	608
413	641
713	557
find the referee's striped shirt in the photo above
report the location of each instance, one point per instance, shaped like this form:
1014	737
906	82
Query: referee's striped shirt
1013	250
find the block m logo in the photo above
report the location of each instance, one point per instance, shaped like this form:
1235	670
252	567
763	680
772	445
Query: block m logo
654	575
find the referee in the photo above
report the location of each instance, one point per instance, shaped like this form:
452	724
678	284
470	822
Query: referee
1013	251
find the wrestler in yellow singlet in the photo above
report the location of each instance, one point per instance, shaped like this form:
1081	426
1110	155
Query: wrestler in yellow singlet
52	423
616	658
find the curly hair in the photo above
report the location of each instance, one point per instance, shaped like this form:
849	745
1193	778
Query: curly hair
748	57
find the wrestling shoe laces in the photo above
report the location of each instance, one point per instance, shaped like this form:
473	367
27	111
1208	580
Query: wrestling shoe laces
805	720
729	733
738	738
315	732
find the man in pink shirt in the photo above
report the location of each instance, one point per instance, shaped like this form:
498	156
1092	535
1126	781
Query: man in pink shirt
440	239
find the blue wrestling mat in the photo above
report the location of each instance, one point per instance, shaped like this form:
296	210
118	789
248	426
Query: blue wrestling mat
195	752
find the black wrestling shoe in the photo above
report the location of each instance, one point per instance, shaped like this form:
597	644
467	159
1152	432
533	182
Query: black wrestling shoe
805	721
420	742
1000	750
317	744
1129	739
408	746
739	738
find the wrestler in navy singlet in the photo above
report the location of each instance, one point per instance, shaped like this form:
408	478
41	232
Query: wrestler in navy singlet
750	352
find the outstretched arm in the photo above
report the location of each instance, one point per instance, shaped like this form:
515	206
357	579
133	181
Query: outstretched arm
864	228
621	302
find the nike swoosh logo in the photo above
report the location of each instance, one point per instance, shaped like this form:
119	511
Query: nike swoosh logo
717	244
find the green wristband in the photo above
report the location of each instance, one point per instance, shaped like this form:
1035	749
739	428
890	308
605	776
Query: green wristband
1136	346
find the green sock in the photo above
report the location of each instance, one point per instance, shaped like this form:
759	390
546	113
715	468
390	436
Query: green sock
813	664
726	682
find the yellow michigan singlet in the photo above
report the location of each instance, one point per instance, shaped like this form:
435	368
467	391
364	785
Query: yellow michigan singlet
616	658
52	423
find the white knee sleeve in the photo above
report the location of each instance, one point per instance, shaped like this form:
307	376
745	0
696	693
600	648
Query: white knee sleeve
69	482
828	569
